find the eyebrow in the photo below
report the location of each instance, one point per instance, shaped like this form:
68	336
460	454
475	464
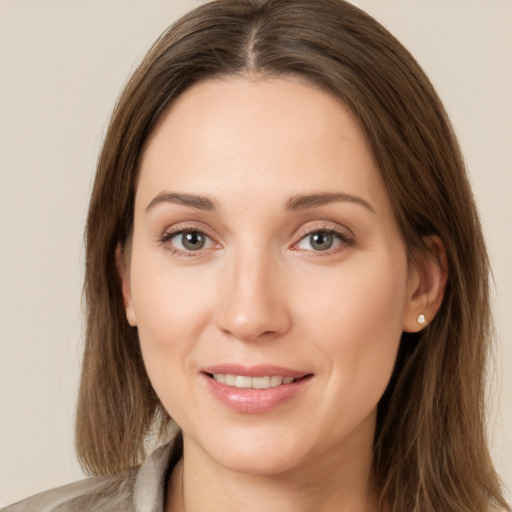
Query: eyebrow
199	202
303	202
299	202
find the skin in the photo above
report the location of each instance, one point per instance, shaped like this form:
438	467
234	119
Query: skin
259	292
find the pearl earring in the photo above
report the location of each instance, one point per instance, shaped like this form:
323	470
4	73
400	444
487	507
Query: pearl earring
421	319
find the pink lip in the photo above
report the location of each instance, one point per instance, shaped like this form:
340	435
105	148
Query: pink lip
249	400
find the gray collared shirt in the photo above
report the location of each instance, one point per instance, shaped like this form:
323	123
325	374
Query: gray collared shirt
140	489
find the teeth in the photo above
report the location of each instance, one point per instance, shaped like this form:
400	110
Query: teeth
230	380
261	382
275	381
219	377
242	381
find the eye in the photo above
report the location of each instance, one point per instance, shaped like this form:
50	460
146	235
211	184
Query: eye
319	241
323	240
188	240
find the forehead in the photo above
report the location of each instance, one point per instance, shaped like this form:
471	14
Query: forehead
223	136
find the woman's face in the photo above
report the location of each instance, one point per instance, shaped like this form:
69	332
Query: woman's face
268	279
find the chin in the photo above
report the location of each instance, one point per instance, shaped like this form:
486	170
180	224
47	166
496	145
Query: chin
262	453
258	462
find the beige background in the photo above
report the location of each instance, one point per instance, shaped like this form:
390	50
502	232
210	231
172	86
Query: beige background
62	64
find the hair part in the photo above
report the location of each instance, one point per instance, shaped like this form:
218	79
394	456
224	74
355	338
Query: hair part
430	450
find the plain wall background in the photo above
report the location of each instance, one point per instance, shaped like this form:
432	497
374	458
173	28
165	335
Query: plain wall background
62	65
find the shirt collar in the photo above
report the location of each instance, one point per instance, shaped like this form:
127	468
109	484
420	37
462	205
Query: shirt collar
151	481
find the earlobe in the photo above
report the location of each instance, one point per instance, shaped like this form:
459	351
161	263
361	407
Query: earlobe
427	283
124	279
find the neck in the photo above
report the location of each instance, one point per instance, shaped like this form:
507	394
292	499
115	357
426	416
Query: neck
332	482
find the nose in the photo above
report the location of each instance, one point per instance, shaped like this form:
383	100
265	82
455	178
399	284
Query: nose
254	303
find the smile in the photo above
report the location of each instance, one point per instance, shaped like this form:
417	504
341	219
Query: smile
258	393
255	388
244	381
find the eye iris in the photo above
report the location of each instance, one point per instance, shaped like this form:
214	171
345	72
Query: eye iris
321	241
193	240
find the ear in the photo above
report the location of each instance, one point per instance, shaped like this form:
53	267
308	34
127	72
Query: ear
427	283
123	272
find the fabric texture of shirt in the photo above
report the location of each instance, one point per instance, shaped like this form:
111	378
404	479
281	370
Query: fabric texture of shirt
139	489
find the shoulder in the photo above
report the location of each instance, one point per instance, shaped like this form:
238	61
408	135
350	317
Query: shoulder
98	494
137	489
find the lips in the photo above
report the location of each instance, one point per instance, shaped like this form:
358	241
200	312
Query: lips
254	389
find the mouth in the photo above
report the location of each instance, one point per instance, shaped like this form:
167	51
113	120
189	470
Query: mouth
261	382
255	389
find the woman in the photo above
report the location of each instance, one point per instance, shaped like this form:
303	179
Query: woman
284	257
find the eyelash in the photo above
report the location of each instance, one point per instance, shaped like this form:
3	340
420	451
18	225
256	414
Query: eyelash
344	238
169	235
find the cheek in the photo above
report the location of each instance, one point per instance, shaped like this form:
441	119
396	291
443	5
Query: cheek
168	326
367	297
357	326
171	309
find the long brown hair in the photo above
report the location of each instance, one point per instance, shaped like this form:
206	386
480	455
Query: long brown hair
430	451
